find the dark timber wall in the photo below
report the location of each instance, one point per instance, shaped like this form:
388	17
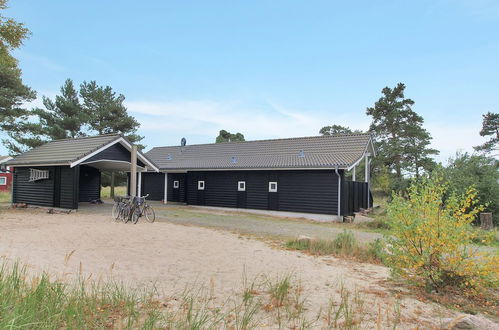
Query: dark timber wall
311	191
59	190
176	194
90	180
114	152
153	184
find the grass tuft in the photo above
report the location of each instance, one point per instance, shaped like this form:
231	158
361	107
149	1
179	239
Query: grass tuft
344	245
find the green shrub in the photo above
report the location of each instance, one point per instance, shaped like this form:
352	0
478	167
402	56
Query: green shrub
431	236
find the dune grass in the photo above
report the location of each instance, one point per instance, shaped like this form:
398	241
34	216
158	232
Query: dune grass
40	302
344	245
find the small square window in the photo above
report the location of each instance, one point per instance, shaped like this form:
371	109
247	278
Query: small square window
272	186
3	181
200	185
241	186
175	184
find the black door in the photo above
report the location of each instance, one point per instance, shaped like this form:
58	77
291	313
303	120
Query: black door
273	190
241	190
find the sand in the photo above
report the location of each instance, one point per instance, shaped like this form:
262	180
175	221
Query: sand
173	257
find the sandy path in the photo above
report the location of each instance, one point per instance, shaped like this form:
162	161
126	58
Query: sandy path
174	256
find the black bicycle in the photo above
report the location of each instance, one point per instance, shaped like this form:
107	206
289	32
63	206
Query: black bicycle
141	208
121	208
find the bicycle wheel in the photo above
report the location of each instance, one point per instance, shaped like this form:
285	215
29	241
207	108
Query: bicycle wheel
149	213
135	214
125	213
116	211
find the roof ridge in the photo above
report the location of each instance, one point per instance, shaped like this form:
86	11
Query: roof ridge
265	140
85	137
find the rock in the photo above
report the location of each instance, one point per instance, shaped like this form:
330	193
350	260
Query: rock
348	219
359	218
470	322
305	239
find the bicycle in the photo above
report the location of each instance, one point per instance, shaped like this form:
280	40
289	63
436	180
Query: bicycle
141	208
121	208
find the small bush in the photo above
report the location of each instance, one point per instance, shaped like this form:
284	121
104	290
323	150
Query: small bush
344	245
431	237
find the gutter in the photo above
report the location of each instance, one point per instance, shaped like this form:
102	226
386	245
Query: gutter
339	190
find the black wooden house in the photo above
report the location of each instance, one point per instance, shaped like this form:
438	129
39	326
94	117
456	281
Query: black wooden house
63	173
296	174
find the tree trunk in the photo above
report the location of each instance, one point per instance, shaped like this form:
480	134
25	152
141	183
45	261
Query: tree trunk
486	221
112	185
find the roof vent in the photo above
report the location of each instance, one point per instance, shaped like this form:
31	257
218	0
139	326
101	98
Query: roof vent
183	142
301	153
234	160
169	157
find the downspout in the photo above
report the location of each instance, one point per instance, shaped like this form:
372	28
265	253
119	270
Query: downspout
339	191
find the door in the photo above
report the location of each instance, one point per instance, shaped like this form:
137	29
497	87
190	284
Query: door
273	191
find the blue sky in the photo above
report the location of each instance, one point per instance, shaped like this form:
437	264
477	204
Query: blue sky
270	69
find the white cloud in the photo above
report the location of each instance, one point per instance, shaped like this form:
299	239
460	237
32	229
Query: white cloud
204	118
200	120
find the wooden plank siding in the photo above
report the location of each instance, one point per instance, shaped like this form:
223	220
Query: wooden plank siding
59	190
89	187
114	152
309	191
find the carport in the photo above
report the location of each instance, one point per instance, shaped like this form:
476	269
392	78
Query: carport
62	173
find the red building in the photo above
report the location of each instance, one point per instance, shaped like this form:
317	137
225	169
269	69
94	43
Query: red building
5	175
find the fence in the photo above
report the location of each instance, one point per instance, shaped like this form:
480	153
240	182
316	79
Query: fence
354	196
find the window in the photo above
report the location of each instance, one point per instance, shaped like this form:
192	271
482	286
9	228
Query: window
35	175
272	186
3	181
241	186
200	185
175	184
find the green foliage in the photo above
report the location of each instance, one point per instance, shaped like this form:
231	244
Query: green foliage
225	136
13	93
431	236
401	141
490	126
64	117
465	170
106	112
337	129
92	110
344	245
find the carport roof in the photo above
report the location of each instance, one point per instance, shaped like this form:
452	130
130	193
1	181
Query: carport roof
342	151
72	151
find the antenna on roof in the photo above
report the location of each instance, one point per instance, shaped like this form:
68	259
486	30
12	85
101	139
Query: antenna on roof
183	142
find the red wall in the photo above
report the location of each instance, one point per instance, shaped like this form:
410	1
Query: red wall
9	181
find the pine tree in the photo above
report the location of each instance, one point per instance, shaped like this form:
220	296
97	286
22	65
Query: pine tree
13	93
106	112
64	117
337	129
490	126
402	142
224	136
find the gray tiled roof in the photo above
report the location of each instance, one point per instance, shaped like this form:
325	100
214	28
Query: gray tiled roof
63	151
4	159
318	152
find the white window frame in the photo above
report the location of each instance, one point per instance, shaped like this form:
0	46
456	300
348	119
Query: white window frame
4	180
270	186
243	188
201	185
35	174
176	184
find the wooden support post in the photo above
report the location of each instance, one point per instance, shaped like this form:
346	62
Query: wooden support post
165	197
133	172
112	185
486	221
